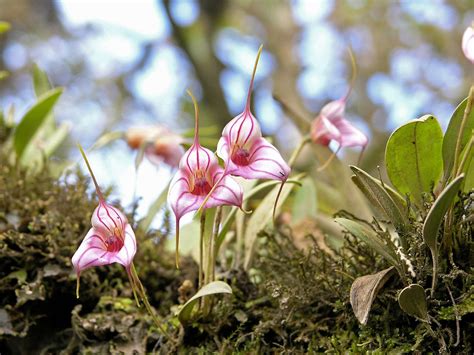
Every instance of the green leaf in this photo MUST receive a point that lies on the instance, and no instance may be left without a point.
(33, 119)
(369, 237)
(451, 136)
(154, 208)
(364, 290)
(304, 201)
(435, 217)
(380, 198)
(106, 139)
(412, 300)
(413, 157)
(247, 195)
(215, 287)
(41, 83)
(4, 27)
(262, 216)
(3, 74)
(56, 139)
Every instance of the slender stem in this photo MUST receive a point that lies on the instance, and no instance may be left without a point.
(142, 293)
(298, 149)
(467, 111)
(201, 247)
(435, 272)
(215, 233)
(466, 156)
(326, 164)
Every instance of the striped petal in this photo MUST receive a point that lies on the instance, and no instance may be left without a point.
(127, 253)
(107, 218)
(265, 162)
(242, 130)
(350, 136)
(323, 131)
(197, 158)
(334, 110)
(183, 201)
(91, 252)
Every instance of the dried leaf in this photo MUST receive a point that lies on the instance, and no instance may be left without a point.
(364, 290)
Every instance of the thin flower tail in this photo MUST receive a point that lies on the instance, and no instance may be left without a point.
(354, 74)
(249, 93)
(97, 188)
(277, 198)
(177, 244)
(78, 284)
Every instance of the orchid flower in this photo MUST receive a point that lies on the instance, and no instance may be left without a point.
(162, 145)
(331, 125)
(468, 43)
(110, 240)
(245, 152)
(199, 173)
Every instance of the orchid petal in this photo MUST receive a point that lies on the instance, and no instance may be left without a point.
(91, 252)
(468, 43)
(197, 158)
(107, 218)
(166, 149)
(350, 136)
(334, 109)
(265, 162)
(183, 201)
(323, 131)
(242, 130)
(127, 252)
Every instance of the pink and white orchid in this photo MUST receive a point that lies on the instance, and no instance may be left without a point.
(161, 144)
(331, 125)
(468, 43)
(110, 240)
(245, 152)
(199, 173)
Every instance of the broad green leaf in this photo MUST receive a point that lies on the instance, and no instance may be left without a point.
(4, 26)
(435, 217)
(154, 208)
(369, 237)
(215, 287)
(413, 157)
(451, 136)
(41, 83)
(33, 119)
(364, 290)
(412, 300)
(3, 74)
(379, 197)
(262, 216)
(304, 201)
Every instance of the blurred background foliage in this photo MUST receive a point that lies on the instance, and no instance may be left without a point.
(126, 63)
